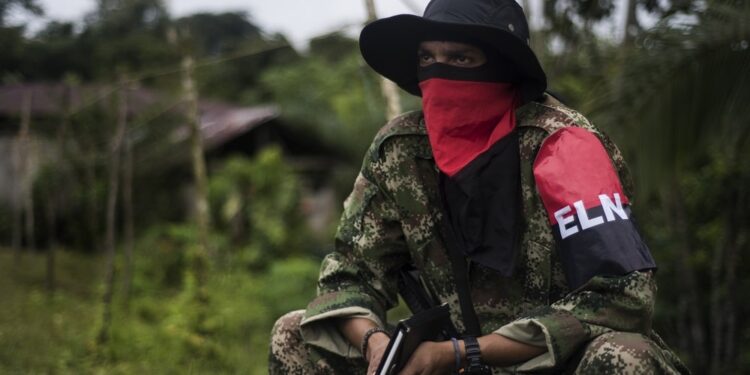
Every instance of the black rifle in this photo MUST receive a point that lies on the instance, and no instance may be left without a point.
(418, 299)
(428, 325)
(430, 321)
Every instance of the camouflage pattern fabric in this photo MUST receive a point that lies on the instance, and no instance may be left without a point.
(289, 355)
(622, 353)
(611, 353)
(392, 217)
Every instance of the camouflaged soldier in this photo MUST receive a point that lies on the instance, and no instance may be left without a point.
(537, 199)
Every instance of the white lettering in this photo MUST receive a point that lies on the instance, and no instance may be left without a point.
(583, 217)
(610, 209)
(563, 222)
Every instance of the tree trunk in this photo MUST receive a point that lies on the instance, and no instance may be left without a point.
(692, 303)
(92, 208)
(127, 206)
(26, 179)
(526, 5)
(631, 26)
(682, 324)
(51, 248)
(17, 226)
(387, 87)
(54, 198)
(372, 14)
(196, 150)
(114, 171)
(724, 341)
(198, 255)
(716, 307)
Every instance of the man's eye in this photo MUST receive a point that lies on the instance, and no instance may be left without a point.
(426, 59)
(463, 60)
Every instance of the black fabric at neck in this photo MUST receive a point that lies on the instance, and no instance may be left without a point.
(483, 204)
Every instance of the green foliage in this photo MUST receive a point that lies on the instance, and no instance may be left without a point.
(685, 83)
(256, 202)
(675, 101)
(132, 35)
(676, 107)
(339, 98)
(330, 46)
(31, 6)
(163, 266)
(698, 233)
(123, 17)
(40, 334)
(577, 74)
(217, 34)
(292, 277)
(233, 35)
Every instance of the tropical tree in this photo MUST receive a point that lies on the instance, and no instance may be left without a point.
(333, 94)
(30, 6)
(679, 105)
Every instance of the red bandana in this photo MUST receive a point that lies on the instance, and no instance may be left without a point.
(465, 118)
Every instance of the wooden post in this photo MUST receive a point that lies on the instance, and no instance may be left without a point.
(202, 209)
(23, 216)
(53, 195)
(89, 154)
(198, 255)
(17, 186)
(387, 87)
(109, 242)
(52, 234)
(28, 178)
(127, 207)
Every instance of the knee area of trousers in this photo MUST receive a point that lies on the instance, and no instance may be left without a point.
(620, 353)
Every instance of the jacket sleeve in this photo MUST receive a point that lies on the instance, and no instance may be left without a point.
(358, 278)
(603, 257)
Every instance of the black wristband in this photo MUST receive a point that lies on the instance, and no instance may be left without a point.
(366, 338)
(457, 353)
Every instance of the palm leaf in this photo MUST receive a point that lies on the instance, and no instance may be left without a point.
(684, 89)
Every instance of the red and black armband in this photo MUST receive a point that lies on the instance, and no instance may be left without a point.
(589, 212)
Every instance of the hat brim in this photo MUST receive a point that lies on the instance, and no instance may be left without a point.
(389, 46)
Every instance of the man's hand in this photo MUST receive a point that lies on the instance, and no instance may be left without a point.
(375, 349)
(431, 358)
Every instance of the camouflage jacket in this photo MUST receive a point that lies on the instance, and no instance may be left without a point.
(392, 217)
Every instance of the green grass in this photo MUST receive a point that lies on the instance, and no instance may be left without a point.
(40, 333)
(155, 333)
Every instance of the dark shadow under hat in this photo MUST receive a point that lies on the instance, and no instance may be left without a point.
(389, 45)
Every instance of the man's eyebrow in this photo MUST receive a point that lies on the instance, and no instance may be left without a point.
(462, 50)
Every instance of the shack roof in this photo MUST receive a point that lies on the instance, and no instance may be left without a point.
(220, 122)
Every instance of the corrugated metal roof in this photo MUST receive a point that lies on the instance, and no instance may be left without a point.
(220, 122)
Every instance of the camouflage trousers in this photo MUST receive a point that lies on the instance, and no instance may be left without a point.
(610, 353)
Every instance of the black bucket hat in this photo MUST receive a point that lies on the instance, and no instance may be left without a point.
(389, 45)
